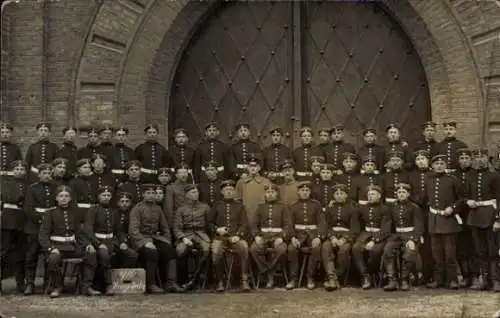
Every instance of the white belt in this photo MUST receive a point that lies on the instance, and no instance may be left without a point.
(450, 170)
(149, 171)
(271, 229)
(405, 229)
(241, 166)
(305, 227)
(304, 174)
(43, 210)
(11, 206)
(491, 202)
(363, 202)
(374, 172)
(117, 171)
(34, 170)
(63, 239)
(372, 229)
(441, 212)
(221, 168)
(84, 205)
(104, 236)
(340, 229)
(6, 173)
(390, 200)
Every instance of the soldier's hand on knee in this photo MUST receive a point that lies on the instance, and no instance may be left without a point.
(90, 249)
(448, 211)
(369, 245)
(410, 245)
(295, 242)
(334, 241)
(234, 239)
(341, 242)
(221, 231)
(55, 251)
(187, 241)
(316, 242)
(102, 246)
(259, 241)
(150, 245)
(123, 246)
(278, 241)
(331, 203)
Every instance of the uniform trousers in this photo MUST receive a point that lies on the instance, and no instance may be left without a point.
(465, 251)
(125, 258)
(267, 261)
(12, 253)
(164, 253)
(220, 246)
(485, 251)
(306, 239)
(200, 241)
(444, 253)
(104, 257)
(392, 249)
(374, 255)
(338, 257)
(32, 250)
(54, 266)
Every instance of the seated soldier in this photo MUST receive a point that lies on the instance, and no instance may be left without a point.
(133, 181)
(61, 236)
(307, 227)
(408, 224)
(191, 227)
(376, 219)
(102, 228)
(126, 257)
(230, 230)
(60, 171)
(288, 187)
(269, 229)
(342, 219)
(151, 238)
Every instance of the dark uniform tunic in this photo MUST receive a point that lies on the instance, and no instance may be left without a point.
(376, 151)
(417, 180)
(84, 194)
(210, 192)
(90, 150)
(349, 179)
(125, 258)
(183, 154)
(301, 157)
(9, 152)
(108, 150)
(274, 155)
(69, 151)
(398, 146)
(390, 180)
(334, 153)
(429, 145)
(449, 147)
(153, 156)
(43, 151)
(102, 179)
(323, 192)
(133, 187)
(241, 151)
(362, 183)
(213, 150)
(118, 160)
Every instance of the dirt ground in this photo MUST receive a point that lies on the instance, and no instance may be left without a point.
(348, 302)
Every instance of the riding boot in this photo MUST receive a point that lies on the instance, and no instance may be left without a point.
(405, 274)
(392, 283)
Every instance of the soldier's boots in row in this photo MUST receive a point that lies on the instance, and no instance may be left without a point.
(270, 280)
(392, 282)
(332, 283)
(479, 283)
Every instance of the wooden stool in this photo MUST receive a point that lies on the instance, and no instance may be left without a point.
(306, 255)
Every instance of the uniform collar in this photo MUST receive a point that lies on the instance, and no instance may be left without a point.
(257, 178)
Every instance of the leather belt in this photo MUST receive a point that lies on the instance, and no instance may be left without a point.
(340, 229)
(305, 227)
(11, 206)
(221, 168)
(390, 200)
(304, 174)
(104, 236)
(6, 173)
(363, 202)
(62, 239)
(441, 212)
(149, 171)
(372, 229)
(84, 205)
(43, 210)
(241, 166)
(34, 170)
(405, 229)
(117, 171)
(271, 230)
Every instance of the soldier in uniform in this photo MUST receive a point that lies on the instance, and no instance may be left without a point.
(393, 135)
(301, 155)
(450, 145)
(69, 150)
(133, 182)
(61, 236)
(349, 174)
(375, 218)
(176, 192)
(9, 151)
(107, 147)
(372, 149)
(12, 193)
(42, 151)
(210, 184)
(151, 237)
(250, 188)
(192, 226)
(395, 174)
(120, 155)
(38, 200)
(307, 229)
(84, 191)
(274, 155)
(164, 177)
(101, 176)
(126, 257)
(335, 151)
(324, 138)
(369, 176)
(443, 193)
(212, 149)
(408, 225)
(180, 152)
(231, 227)
(323, 192)
(93, 145)
(288, 189)
(428, 141)
(242, 149)
(482, 194)
(269, 229)
(152, 155)
(342, 222)
(315, 170)
(60, 171)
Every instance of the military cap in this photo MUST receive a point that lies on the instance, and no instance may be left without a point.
(210, 164)
(305, 129)
(148, 186)
(304, 184)
(324, 129)
(429, 124)
(122, 129)
(395, 154)
(317, 159)
(124, 194)
(464, 152)
(369, 130)
(164, 170)
(369, 158)
(254, 159)
(403, 185)
(44, 166)
(43, 125)
(349, 155)
(105, 128)
(337, 127)
(190, 187)
(373, 187)
(421, 152)
(179, 131)
(181, 165)
(104, 188)
(98, 156)
(340, 187)
(133, 163)
(92, 130)
(438, 158)
(6, 126)
(18, 163)
(480, 152)
(240, 125)
(63, 188)
(151, 126)
(276, 129)
(450, 123)
(58, 161)
(82, 162)
(271, 186)
(211, 124)
(227, 183)
(286, 164)
(327, 166)
(68, 128)
(391, 126)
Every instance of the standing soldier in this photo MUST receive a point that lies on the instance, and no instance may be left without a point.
(9, 151)
(102, 227)
(61, 236)
(323, 192)
(301, 155)
(406, 218)
(342, 221)
(93, 146)
(307, 229)
(368, 177)
(324, 138)
(210, 184)
(84, 191)
(152, 155)
(212, 149)
(42, 151)
(274, 155)
(428, 141)
(12, 222)
(394, 175)
(370, 148)
(349, 174)
(449, 146)
(269, 229)
(101, 176)
(69, 150)
(164, 177)
(231, 227)
(38, 201)
(107, 147)
(335, 151)
(180, 152)
(242, 149)
(126, 257)
(176, 192)
(482, 193)
(443, 193)
(375, 217)
(393, 135)
(120, 155)
(288, 189)
(60, 171)
(133, 182)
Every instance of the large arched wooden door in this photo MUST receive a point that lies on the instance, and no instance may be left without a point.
(289, 64)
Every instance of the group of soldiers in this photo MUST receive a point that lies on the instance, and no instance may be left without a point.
(428, 210)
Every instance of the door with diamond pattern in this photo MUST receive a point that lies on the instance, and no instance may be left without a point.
(292, 64)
